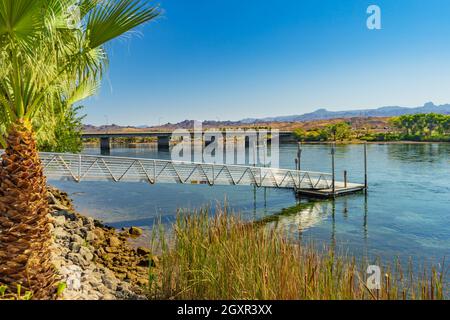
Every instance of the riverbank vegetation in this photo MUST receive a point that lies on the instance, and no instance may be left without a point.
(429, 127)
(420, 127)
(226, 258)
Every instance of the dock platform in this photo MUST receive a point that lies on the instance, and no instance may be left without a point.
(340, 190)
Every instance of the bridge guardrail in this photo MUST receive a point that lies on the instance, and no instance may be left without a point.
(82, 167)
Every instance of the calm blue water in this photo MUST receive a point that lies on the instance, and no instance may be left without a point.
(406, 212)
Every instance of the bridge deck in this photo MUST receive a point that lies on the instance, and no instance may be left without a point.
(81, 167)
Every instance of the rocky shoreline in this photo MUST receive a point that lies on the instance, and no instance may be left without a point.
(93, 261)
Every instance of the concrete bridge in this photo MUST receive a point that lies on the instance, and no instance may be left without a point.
(164, 138)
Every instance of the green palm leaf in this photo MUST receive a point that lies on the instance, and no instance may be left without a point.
(114, 18)
(20, 21)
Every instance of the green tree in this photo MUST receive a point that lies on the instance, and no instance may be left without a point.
(419, 126)
(300, 134)
(43, 58)
(65, 134)
(339, 131)
(311, 135)
(434, 123)
(446, 124)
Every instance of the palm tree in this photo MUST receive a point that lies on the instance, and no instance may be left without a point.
(46, 46)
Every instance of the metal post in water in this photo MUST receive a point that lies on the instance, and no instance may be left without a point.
(345, 178)
(154, 171)
(254, 154)
(265, 152)
(299, 156)
(365, 166)
(333, 151)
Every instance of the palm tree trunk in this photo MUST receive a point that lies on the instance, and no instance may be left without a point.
(25, 230)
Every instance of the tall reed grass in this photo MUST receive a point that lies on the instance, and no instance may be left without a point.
(223, 257)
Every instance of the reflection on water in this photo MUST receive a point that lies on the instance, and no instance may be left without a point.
(418, 152)
(406, 211)
(298, 219)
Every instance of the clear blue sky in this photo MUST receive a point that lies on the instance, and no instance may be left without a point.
(232, 59)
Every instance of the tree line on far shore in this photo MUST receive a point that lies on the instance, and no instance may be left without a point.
(65, 136)
(417, 127)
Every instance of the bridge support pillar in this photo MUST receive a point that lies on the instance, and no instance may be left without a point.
(105, 145)
(163, 142)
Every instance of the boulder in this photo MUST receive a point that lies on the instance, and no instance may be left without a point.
(77, 239)
(143, 251)
(60, 233)
(90, 236)
(86, 254)
(59, 221)
(135, 231)
(99, 234)
(114, 242)
(75, 247)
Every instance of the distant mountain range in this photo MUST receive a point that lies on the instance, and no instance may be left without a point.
(323, 114)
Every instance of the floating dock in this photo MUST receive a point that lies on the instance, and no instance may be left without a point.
(341, 189)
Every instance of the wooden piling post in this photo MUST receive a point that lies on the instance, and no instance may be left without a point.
(365, 166)
(345, 178)
(299, 156)
(265, 152)
(254, 154)
(333, 151)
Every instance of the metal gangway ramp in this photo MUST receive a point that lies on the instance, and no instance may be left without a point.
(83, 167)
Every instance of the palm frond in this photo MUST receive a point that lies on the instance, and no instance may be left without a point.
(84, 90)
(115, 18)
(20, 21)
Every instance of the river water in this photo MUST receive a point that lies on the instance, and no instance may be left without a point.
(406, 212)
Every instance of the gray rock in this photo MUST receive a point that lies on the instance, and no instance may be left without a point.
(143, 251)
(86, 254)
(77, 239)
(73, 281)
(74, 258)
(60, 233)
(59, 263)
(67, 214)
(135, 231)
(109, 297)
(109, 283)
(74, 268)
(59, 221)
(95, 283)
(102, 289)
(114, 242)
(90, 236)
(72, 225)
(75, 247)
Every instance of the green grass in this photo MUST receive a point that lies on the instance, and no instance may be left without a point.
(226, 258)
(5, 294)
